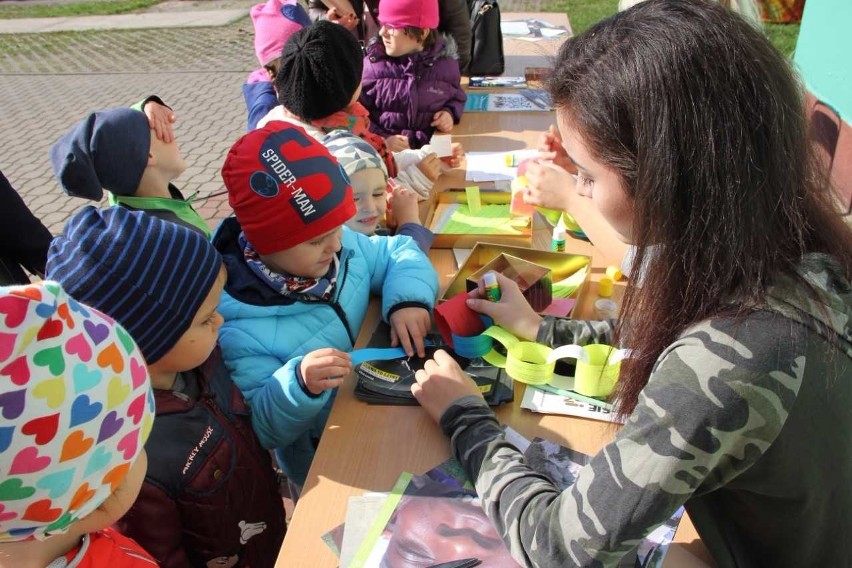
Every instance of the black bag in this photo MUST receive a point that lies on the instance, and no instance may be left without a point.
(486, 50)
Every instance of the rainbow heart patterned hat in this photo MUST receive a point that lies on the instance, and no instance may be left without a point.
(76, 407)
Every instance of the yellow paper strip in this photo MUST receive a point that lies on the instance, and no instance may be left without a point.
(474, 201)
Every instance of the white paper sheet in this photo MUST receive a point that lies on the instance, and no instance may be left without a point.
(441, 144)
(491, 166)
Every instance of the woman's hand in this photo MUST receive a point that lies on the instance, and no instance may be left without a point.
(548, 185)
(513, 313)
(440, 383)
(550, 148)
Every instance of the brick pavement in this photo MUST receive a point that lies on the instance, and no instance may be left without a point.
(47, 86)
(50, 81)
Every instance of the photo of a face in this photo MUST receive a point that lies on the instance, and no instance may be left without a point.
(439, 523)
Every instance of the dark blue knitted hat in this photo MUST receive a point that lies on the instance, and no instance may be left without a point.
(106, 150)
(150, 275)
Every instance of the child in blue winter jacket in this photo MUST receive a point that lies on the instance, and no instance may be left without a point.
(299, 284)
(411, 81)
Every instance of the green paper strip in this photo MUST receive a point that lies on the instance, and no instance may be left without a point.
(503, 337)
(372, 537)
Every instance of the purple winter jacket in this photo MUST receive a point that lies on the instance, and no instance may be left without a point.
(403, 93)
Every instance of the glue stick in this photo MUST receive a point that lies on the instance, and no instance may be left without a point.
(557, 242)
(492, 289)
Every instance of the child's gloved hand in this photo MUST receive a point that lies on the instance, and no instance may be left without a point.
(548, 185)
(430, 165)
(160, 119)
(550, 148)
(397, 143)
(440, 383)
(324, 369)
(443, 121)
(403, 204)
(409, 327)
(513, 313)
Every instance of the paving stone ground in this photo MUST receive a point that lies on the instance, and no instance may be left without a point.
(50, 81)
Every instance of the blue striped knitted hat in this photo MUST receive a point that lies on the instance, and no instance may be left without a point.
(150, 275)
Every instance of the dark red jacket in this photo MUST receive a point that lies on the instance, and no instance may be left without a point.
(210, 492)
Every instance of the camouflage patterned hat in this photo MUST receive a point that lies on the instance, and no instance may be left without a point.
(352, 152)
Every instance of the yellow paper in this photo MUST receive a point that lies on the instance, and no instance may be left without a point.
(474, 202)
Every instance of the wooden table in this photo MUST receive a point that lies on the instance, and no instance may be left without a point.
(364, 448)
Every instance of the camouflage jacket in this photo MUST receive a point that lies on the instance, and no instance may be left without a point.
(745, 422)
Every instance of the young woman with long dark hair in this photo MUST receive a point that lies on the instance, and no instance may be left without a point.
(687, 131)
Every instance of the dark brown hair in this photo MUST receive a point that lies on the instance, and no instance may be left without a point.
(704, 122)
(414, 32)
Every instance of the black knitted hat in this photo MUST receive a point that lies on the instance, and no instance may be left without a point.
(320, 70)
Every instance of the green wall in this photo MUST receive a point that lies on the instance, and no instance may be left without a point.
(823, 53)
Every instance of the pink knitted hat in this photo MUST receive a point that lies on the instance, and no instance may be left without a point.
(274, 22)
(401, 13)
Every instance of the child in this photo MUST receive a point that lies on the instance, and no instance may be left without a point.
(737, 395)
(299, 285)
(210, 496)
(369, 180)
(274, 21)
(76, 409)
(117, 150)
(411, 80)
(318, 87)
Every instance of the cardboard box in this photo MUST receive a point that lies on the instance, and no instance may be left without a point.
(534, 280)
(561, 265)
(440, 204)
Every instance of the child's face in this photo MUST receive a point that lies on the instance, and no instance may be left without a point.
(309, 259)
(198, 341)
(117, 504)
(398, 43)
(369, 187)
(167, 157)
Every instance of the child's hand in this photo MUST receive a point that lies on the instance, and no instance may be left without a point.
(409, 326)
(440, 383)
(455, 160)
(430, 165)
(160, 119)
(513, 313)
(397, 143)
(443, 121)
(550, 148)
(403, 203)
(548, 185)
(346, 19)
(324, 369)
